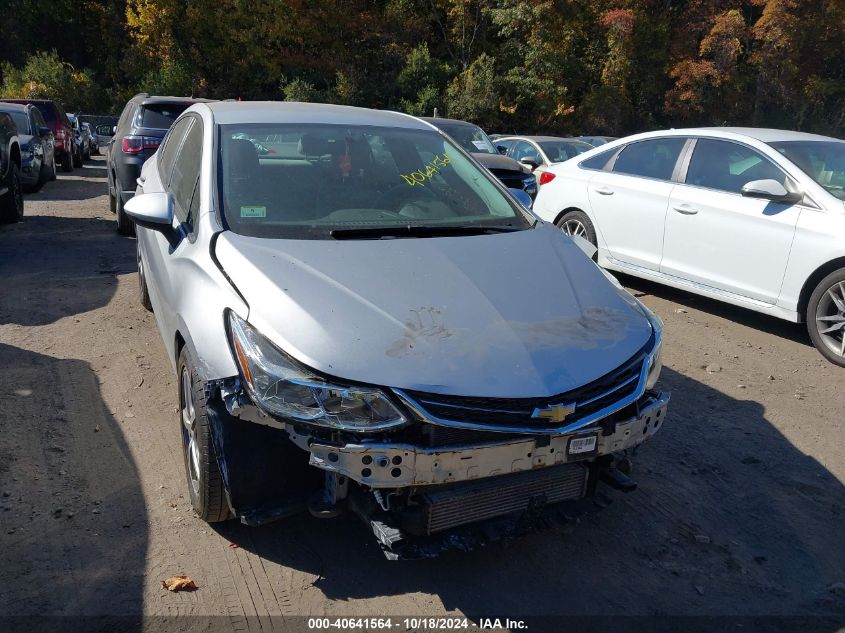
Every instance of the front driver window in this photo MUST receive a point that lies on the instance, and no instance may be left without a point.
(728, 166)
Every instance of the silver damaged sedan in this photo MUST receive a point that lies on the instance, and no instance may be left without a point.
(362, 318)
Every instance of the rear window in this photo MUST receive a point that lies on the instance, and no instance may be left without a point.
(161, 116)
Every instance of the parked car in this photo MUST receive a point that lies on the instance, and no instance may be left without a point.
(38, 159)
(595, 141)
(473, 139)
(93, 145)
(80, 143)
(752, 217)
(541, 152)
(356, 319)
(11, 188)
(137, 135)
(103, 134)
(57, 120)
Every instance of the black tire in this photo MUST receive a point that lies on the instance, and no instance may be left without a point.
(77, 159)
(826, 317)
(144, 293)
(112, 193)
(205, 483)
(125, 225)
(67, 163)
(11, 203)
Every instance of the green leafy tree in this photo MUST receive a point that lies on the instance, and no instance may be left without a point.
(46, 76)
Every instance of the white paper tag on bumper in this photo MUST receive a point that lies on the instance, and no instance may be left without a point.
(582, 444)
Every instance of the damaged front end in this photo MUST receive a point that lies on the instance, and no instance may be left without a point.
(429, 471)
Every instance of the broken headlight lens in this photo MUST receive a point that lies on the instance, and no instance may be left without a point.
(283, 388)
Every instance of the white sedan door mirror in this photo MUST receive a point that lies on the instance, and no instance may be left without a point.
(151, 210)
(769, 190)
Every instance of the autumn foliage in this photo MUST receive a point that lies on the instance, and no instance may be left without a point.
(566, 66)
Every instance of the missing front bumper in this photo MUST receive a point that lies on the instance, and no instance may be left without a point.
(394, 465)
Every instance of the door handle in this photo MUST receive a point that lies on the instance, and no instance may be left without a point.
(605, 191)
(685, 209)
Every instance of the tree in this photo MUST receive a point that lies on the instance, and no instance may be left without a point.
(46, 76)
(474, 94)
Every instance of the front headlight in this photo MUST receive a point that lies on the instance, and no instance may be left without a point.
(281, 387)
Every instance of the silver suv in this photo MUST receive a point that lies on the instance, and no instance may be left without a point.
(353, 309)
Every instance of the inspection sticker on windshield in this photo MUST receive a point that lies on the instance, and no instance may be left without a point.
(253, 212)
(582, 444)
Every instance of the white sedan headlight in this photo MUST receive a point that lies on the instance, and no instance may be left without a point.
(283, 388)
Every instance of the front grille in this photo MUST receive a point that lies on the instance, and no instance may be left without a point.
(469, 502)
(517, 412)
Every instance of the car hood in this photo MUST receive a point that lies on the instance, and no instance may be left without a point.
(522, 314)
(498, 162)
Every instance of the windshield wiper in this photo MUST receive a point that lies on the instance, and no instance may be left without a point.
(412, 230)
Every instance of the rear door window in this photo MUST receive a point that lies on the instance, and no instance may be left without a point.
(652, 158)
(161, 116)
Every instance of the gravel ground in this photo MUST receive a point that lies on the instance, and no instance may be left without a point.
(739, 510)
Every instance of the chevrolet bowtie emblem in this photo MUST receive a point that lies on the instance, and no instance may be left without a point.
(554, 412)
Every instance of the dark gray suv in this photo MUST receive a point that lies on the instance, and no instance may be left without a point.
(137, 135)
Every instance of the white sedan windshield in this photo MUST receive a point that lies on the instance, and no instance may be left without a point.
(823, 161)
(307, 180)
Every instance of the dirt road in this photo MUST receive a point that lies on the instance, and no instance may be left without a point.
(740, 509)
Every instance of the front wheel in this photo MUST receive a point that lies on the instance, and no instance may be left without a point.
(125, 225)
(205, 483)
(11, 203)
(826, 317)
(77, 158)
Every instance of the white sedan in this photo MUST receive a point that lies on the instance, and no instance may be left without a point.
(752, 217)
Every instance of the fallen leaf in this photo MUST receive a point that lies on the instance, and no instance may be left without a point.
(233, 545)
(179, 583)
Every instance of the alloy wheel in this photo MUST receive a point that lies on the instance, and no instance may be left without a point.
(574, 227)
(189, 428)
(830, 318)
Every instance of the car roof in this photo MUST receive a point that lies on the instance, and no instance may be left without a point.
(226, 112)
(435, 121)
(155, 100)
(538, 139)
(763, 135)
(14, 107)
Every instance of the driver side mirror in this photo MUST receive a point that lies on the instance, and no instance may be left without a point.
(532, 161)
(770, 190)
(152, 211)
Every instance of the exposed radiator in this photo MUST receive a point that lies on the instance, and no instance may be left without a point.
(497, 496)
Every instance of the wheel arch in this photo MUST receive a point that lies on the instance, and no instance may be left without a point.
(812, 281)
(569, 210)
